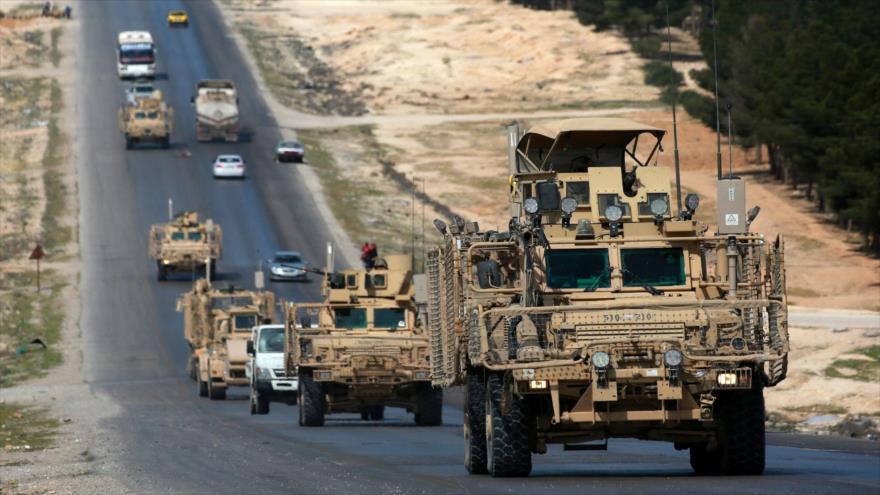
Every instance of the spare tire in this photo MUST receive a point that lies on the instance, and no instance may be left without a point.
(488, 274)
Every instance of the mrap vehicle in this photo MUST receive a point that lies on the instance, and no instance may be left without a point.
(606, 309)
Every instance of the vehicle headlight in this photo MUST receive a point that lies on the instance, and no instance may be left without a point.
(672, 357)
(569, 204)
(276, 270)
(659, 207)
(692, 201)
(263, 373)
(613, 213)
(600, 359)
(531, 206)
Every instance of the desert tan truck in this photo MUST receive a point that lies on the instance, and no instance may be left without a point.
(146, 119)
(363, 348)
(606, 309)
(217, 325)
(216, 108)
(185, 245)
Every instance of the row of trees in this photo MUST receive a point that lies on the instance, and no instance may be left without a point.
(803, 77)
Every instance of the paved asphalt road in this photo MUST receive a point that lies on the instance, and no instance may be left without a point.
(134, 351)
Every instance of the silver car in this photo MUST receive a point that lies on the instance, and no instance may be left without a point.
(289, 151)
(287, 265)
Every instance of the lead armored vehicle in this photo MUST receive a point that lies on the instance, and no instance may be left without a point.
(186, 245)
(217, 325)
(363, 348)
(606, 309)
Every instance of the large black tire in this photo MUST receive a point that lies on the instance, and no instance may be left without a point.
(311, 401)
(166, 142)
(739, 416)
(508, 448)
(475, 424)
(193, 369)
(161, 272)
(377, 413)
(429, 406)
(129, 143)
(203, 389)
(216, 393)
(365, 415)
(212, 272)
(488, 274)
(704, 461)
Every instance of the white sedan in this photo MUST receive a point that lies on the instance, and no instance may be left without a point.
(229, 166)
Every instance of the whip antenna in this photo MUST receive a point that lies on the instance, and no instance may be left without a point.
(674, 120)
(717, 110)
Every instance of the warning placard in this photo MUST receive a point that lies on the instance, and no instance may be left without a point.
(731, 219)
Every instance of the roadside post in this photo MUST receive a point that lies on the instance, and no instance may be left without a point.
(37, 254)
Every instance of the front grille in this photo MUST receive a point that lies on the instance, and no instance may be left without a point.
(279, 373)
(586, 333)
(379, 350)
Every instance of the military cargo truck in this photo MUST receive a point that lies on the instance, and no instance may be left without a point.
(186, 245)
(363, 348)
(146, 119)
(216, 107)
(217, 325)
(606, 310)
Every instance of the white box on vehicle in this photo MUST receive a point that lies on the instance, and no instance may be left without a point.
(265, 369)
(142, 42)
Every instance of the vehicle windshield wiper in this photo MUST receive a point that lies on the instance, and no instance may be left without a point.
(648, 287)
(606, 272)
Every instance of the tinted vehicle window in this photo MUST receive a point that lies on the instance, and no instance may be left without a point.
(177, 236)
(652, 266)
(578, 269)
(194, 236)
(389, 318)
(271, 340)
(579, 191)
(245, 322)
(287, 259)
(350, 318)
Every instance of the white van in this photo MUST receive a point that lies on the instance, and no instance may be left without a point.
(265, 370)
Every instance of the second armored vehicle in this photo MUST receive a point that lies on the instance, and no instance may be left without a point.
(146, 118)
(363, 348)
(217, 326)
(185, 245)
(216, 106)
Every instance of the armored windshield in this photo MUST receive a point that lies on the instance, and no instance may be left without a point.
(652, 266)
(389, 318)
(350, 318)
(194, 236)
(578, 269)
(271, 340)
(245, 322)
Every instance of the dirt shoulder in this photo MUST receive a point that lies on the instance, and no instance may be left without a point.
(50, 442)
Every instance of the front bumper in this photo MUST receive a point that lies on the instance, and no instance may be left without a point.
(301, 275)
(277, 386)
(135, 71)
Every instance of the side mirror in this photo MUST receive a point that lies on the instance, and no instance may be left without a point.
(250, 348)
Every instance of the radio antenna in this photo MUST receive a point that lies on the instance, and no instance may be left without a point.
(717, 110)
(729, 143)
(674, 120)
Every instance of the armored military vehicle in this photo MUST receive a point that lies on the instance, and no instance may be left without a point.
(146, 119)
(185, 245)
(363, 348)
(217, 325)
(216, 107)
(606, 309)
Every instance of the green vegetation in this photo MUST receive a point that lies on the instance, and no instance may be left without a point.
(55, 235)
(24, 316)
(818, 409)
(865, 370)
(55, 54)
(24, 428)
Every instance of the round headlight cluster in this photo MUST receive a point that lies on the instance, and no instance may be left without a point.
(692, 201)
(613, 213)
(659, 207)
(672, 357)
(600, 359)
(531, 206)
(568, 205)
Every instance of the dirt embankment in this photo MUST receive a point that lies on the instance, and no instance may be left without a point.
(410, 60)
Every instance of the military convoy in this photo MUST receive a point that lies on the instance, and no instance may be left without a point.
(606, 310)
(146, 118)
(217, 327)
(216, 108)
(185, 245)
(363, 348)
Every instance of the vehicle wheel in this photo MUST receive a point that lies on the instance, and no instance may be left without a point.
(507, 431)
(161, 272)
(166, 142)
(212, 273)
(704, 461)
(203, 389)
(216, 393)
(739, 415)
(261, 404)
(193, 369)
(377, 413)
(475, 424)
(365, 415)
(129, 143)
(311, 401)
(429, 406)
(488, 274)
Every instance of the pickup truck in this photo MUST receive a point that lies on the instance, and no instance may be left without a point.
(265, 369)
